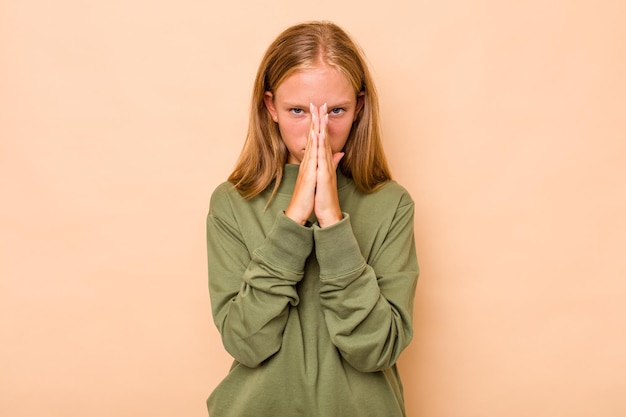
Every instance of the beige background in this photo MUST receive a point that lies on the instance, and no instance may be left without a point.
(505, 120)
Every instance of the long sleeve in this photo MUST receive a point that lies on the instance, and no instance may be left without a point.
(368, 304)
(252, 288)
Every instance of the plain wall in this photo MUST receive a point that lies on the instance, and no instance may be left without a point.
(505, 120)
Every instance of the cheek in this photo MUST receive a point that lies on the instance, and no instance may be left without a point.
(294, 128)
(338, 132)
(339, 129)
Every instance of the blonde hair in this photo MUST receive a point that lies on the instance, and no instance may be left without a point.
(264, 153)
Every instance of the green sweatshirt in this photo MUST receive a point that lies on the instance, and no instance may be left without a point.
(314, 318)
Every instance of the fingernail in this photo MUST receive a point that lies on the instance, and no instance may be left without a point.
(311, 107)
(325, 108)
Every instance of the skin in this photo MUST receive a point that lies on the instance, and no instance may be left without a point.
(315, 109)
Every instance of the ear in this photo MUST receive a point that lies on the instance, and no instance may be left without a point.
(268, 99)
(360, 101)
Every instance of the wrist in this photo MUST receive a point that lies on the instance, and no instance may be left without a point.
(301, 220)
(330, 220)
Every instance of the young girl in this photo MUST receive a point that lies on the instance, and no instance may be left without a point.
(312, 265)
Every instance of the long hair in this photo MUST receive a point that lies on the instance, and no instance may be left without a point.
(298, 48)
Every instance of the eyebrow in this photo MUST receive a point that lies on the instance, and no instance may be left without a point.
(340, 104)
(291, 104)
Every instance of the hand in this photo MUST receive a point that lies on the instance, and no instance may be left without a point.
(327, 209)
(316, 185)
(303, 198)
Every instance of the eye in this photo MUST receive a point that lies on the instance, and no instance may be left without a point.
(296, 110)
(337, 110)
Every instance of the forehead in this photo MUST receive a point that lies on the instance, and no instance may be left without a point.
(322, 83)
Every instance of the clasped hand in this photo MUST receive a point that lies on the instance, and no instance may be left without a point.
(316, 185)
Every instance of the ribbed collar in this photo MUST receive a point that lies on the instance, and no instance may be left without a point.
(290, 174)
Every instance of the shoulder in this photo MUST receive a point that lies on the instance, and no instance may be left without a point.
(226, 202)
(392, 191)
(223, 190)
(223, 198)
(386, 202)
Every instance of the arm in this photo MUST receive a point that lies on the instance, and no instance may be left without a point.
(368, 308)
(251, 292)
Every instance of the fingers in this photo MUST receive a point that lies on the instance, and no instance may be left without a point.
(327, 208)
(323, 119)
(310, 151)
(326, 159)
(303, 198)
(323, 129)
(324, 164)
(315, 118)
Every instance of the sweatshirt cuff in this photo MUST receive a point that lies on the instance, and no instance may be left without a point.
(337, 250)
(287, 245)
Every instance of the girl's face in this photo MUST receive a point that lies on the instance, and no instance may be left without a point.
(289, 107)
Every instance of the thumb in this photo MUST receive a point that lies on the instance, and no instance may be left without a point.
(337, 157)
